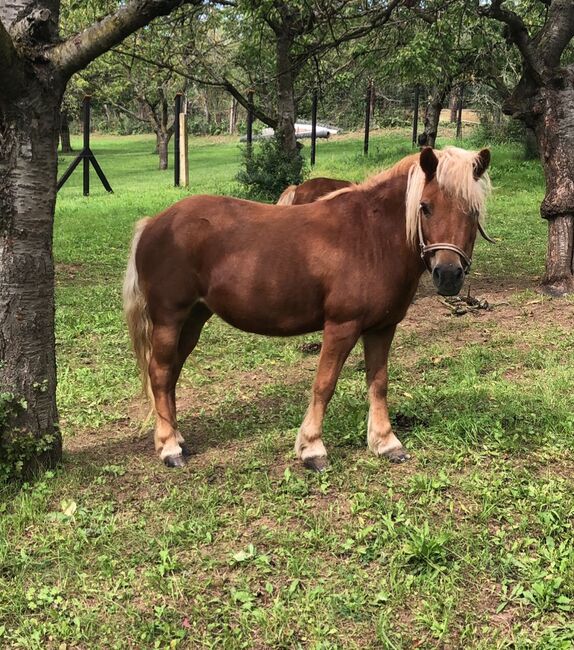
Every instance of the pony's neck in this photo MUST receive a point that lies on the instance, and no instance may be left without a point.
(387, 198)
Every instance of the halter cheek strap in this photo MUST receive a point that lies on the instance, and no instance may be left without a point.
(425, 249)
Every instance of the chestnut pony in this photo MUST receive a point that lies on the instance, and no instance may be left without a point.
(310, 190)
(348, 264)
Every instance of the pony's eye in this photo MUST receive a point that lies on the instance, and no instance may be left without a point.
(426, 209)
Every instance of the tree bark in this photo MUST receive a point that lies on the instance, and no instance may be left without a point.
(163, 139)
(66, 145)
(285, 93)
(432, 115)
(554, 128)
(559, 276)
(546, 105)
(28, 166)
(544, 100)
(34, 69)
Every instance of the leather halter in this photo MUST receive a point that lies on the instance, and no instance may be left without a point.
(429, 248)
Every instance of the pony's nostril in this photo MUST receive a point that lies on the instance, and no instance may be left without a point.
(447, 273)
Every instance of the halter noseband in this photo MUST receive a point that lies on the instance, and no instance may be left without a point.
(429, 248)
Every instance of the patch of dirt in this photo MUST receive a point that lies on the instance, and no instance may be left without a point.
(428, 315)
(68, 271)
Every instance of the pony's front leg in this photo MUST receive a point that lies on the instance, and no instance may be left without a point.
(381, 439)
(338, 341)
(163, 373)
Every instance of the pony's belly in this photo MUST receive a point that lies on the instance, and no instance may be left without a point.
(268, 317)
(270, 324)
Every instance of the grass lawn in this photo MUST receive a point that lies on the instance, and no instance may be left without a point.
(469, 545)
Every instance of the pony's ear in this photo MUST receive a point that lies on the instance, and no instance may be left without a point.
(429, 163)
(481, 163)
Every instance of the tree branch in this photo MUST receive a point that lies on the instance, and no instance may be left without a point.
(557, 32)
(379, 19)
(123, 109)
(241, 99)
(79, 50)
(12, 75)
(517, 33)
(220, 83)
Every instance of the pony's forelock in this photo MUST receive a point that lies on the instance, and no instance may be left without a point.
(455, 177)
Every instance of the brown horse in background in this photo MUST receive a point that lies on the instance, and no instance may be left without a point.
(310, 190)
(348, 264)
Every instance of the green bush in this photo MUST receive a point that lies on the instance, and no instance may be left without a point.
(506, 131)
(267, 169)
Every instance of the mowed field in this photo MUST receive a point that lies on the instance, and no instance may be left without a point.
(468, 545)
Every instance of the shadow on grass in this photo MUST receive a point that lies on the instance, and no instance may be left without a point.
(446, 412)
(232, 420)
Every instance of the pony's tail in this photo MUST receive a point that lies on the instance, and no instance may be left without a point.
(288, 196)
(137, 316)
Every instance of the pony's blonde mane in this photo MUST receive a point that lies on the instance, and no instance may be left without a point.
(455, 177)
(400, 167)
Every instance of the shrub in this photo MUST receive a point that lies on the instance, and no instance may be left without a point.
(505, 131)
(267, 169)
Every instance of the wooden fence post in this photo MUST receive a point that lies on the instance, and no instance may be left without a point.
(416, 115)
(459, 114)
(367, 118)
(250, 94)
(183, 148)
(314, 127)
(176, 140)
(86, 155)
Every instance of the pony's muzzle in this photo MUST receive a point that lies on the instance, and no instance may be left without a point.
(448, 278)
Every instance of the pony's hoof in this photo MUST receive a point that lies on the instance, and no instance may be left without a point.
(316, 463)
(174, 461)
(397, 455)
(185, 450)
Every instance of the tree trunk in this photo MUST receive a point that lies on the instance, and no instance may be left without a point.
(453, 106)
(233, 116)
(163, 149)
(286, 95)
(65, 132)
(432, 115)
(35, 65)
(544, 100)
(206, 111)
(109, 117)
(559, 279)
(28, 166)
(554, 128)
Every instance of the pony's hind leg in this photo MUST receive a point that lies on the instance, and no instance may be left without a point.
(338, 341)
(164, 371)
(173, 339)
(188, 339)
